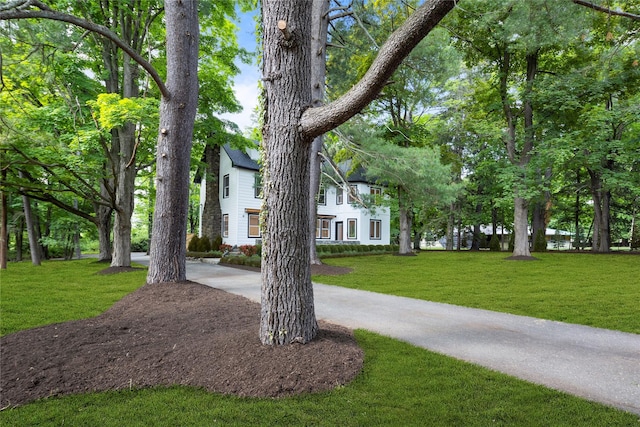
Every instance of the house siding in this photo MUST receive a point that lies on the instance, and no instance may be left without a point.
(241, 198)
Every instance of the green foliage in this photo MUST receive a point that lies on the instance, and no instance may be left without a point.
(634, 241)
(540, 242)
(194, 243)
(494, 243)
(215, 244)
(204, 245)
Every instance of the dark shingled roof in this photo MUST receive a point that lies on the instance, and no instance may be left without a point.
(240, 159)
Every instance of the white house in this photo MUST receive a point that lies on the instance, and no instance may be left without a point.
(340, 218)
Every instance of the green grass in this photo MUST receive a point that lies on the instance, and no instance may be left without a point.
(400, 385)
(59, 291)
(594, 290)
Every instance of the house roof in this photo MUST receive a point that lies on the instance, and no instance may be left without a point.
(240, 159)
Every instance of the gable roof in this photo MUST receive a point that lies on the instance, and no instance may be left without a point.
(240, 159)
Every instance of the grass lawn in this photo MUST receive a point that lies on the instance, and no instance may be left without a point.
(594, 290)
(58, 291)
(400, 384)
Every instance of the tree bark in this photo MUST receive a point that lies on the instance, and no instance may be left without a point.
(34, 248)
(4, 235)
(319, 30)
(177, 115)
(405, 213)
(520, 228)
(287, 313)
(601, 214)
(211, 211)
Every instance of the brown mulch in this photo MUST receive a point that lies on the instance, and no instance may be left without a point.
(316, 269)
(166, 334)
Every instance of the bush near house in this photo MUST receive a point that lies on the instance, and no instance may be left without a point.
(251, 255)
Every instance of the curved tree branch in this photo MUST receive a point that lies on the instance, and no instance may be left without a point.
(316, 121)
(607, 10)
(45, 12)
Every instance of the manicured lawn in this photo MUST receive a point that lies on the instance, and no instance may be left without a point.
(400, 384)
(594, 290)
(58, 291)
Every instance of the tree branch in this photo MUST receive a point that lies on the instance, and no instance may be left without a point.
(46, 13)
(316, 121)
(607, 10)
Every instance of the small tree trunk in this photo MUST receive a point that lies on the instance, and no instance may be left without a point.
(4, 240)
(319, 28)
(177, 115)
(405, 218)
(31, 232)
(103, 222)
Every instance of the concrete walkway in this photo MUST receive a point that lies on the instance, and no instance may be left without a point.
(596, 364)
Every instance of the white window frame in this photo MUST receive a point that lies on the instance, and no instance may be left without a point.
(225, 225)
(352, 225)
(323, 228)
(257, 186)
(339, 195)
(375, 229)
(225, 186)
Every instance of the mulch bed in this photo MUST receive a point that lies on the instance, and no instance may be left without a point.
(167, 334)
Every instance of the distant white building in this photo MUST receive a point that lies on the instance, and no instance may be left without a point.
(340, 218)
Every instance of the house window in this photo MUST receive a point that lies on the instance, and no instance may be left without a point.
(339, 195)
(375, 227)
(376, 193)
(352, 228)
(225, 186)
(322, 196)
(254, 224)
(323, 230)
(354, 191)
(257, 186)
(225, 225)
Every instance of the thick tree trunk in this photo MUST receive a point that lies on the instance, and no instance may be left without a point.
(405, 214)
(103, 223)
(319, 29)
(601, 214)
(450, 229)
(177, 115)
(287, 313)
(520, 228)
(211, 211)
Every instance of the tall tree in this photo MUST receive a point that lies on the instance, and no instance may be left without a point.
(287, 313)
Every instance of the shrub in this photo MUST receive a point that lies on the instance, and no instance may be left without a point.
(215, 244)
(540, 242)
(140, 244)
(248, 250)
(635, 237)
(512, 242)
(224, 247)
(193, 244)
(494, 243)
(204, 244)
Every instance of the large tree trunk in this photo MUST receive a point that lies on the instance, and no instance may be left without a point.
(287, 313)
(520, 228)
(319, 28)
(211, 211)
(601, 214)
(177, 115)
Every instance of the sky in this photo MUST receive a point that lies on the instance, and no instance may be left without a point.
(246, 83)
